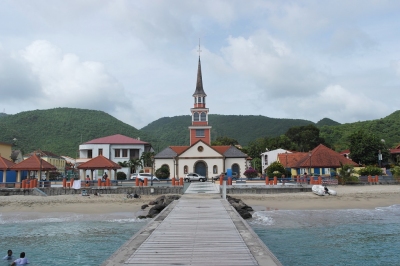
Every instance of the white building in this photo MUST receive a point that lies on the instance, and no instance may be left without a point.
(117, 148)
(200, 157)
(268, 157)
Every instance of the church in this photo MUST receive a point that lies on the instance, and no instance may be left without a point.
(200, 157)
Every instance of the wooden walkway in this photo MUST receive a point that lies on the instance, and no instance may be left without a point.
(198, 229)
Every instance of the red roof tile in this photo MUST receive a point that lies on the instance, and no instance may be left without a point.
(99, 162)
(323, 157)
(116, 139)
(179, 149)
(221, 149)
(394, 151)
(34, 163)
(293, 159)
(5, 164)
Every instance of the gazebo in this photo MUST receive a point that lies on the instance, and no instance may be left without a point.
(98, 163)
(5, 165)
(33, 163)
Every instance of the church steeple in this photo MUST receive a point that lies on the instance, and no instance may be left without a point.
(199, 84)
(199, 130)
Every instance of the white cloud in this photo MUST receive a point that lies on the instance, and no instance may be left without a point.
(65, 80)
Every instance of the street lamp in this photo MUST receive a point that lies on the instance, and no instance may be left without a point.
(309, 154)
(380, 158)
(174, 166)
(152, 165)
(40, 169)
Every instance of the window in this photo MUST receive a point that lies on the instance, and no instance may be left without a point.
(199, 133)
(117, 153)
(200, 148)
(196, 116)
(89, 154)
(215, 169)
(203, 116)
(124, 153)
(100, 151)
(185, 169)
(199, 100)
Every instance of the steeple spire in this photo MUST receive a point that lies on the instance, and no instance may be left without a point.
(199, 84)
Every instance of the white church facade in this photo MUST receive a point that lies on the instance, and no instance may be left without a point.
(200, 157)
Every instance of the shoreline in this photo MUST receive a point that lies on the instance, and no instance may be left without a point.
(349, 197)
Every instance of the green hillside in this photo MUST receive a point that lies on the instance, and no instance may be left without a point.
(61, 130)
(244, 128)
(387, 128)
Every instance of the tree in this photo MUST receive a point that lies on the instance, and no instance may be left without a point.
(222, 141)
(146, 158)
(365, 147)
(162, 172)
(345, 172)
(305, 138)
(134, 163)
(275, 169)
(370, 170)
(121, 176)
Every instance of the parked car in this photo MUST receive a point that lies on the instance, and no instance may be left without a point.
(234, 176)
(194, 177)
(148, 176)
(133, 176)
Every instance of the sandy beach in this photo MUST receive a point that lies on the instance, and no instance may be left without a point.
(349, 197)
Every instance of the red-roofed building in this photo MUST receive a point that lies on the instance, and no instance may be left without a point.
(200, 157)
(5, 165)
(117, 148)
(320, 161)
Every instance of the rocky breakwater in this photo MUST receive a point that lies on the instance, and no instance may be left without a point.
(159, 204)
(242, 208)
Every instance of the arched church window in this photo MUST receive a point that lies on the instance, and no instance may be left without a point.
(196, 116)
(199, 100)
(215, 169)
(203, 116)
(185, 169)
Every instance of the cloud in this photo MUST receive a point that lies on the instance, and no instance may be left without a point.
(337, 103)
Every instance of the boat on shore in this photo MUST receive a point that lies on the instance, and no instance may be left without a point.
(323, 190)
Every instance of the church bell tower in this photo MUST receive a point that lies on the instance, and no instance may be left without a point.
(199, 130)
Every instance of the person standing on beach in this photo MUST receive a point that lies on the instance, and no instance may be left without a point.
(9, 255)
(21, 261)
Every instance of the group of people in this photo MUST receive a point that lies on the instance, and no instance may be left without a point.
(20, 261)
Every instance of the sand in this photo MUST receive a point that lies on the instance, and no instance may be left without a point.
(349, 197)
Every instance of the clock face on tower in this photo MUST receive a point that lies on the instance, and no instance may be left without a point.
(200, 148)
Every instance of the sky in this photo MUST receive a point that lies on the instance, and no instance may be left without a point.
(137, 60)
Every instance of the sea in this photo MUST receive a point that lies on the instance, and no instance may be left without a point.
(296, 237)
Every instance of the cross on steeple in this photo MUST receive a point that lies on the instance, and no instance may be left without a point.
(199, 48)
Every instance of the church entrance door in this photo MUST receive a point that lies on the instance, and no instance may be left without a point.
(201, 168)
(235, 168)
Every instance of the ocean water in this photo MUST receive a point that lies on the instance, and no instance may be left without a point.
(301, 237)
(331, 237)
(65, 238)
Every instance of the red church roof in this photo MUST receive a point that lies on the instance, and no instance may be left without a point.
(5, 164)
(221, 149)
(34, 163)
(99, 162)
(116, 139)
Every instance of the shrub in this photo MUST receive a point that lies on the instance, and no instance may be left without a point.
(250, 173)
(370, 170)
(275, 169)
(162, 172)
(121, 176)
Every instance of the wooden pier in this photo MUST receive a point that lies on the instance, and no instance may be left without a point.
(198, 229)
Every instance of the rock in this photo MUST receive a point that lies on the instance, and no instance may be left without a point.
(142, 217)
(245, 214)
(159, 204)
(144, 206)
(156, 209)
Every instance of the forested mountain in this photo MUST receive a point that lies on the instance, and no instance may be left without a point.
(61, 130)
(387, 128)
(3, 114)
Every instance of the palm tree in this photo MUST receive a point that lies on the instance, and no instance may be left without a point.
(134, 164)
(123, 164)
(146, 158)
